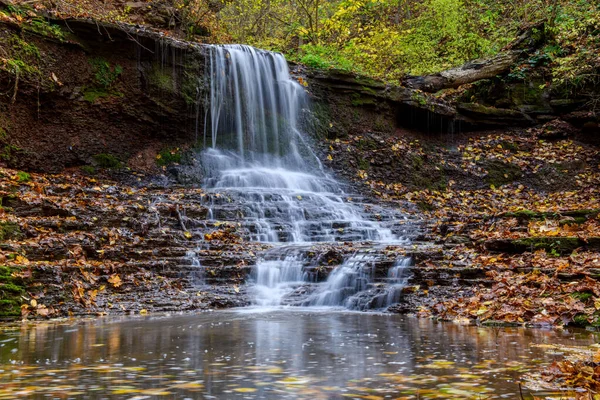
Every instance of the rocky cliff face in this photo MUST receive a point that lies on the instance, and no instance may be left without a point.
(81, 92)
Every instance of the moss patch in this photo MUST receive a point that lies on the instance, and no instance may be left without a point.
(582, 296)
(583, 320)
(105, 76)
(9, 152)
(11, 290)
(107, 161)
(88, 169)
(562, 245)
(360, 100)
(10, 231)
(162, 80)
(91, 94)
(579, 216)
(23, 176)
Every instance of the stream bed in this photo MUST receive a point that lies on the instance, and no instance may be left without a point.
(272, 353)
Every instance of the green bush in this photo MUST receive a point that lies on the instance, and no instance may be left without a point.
(104, 73)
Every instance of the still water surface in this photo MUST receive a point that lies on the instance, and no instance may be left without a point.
(271, 354)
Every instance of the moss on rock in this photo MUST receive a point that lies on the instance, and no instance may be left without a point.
(12, 288)
(107, 161)
(10, 230)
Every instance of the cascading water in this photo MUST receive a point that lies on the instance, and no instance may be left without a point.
(266, 174)
(197, 275)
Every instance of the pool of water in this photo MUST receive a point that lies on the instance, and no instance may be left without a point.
(271, 354)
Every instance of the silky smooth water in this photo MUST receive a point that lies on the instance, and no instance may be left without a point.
(272, 354)
(264, 176)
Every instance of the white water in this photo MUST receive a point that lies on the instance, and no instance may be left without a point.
(398, 277)
(197, 276)
(352, 277)
(273, 182)
(277, 278)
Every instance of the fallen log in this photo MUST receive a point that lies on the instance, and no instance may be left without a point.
(467, 73)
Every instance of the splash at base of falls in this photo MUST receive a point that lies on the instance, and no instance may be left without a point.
(353, 284)
(276, 279)
(292, 275)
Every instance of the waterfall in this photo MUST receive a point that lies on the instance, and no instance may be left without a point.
(254, 113)
(352, 277)
(197, 277)
(272, 182)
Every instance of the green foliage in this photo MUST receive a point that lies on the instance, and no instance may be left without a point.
(43, 27)
(553, 253)
(323, 57)
(13, 9)
(26, 49)
(576, 45)
(107, 161)
(22, 60)
(23, 176)
(388, 39)
(104, 73)
(169, 156)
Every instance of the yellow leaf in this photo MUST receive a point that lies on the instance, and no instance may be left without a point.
(115, 280)
(245, 390)
(187, 235)
(33, 303)
(22, 260)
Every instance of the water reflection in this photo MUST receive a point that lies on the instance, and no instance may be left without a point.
(278, 354)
